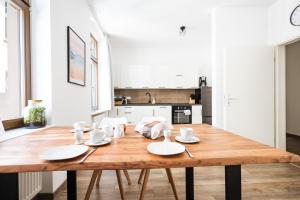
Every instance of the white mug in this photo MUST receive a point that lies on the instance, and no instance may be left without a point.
(108, 130)
(186, 133)
(119, 131)
(79, 126)
(97, 135)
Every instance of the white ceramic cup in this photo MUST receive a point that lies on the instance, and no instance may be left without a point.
(186, 133)
(108, 130)
(97, 135)
(79, 126)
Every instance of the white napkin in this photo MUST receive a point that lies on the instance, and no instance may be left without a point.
(153, 127)
(187, 112)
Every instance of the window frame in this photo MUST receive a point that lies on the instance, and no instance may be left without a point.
(94, 60)
(25, 7)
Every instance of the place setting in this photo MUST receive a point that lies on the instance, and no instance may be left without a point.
(97, 137)
(155, 128)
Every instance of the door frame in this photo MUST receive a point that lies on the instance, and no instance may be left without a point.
(280, 94)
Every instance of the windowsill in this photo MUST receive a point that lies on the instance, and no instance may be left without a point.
(14, 133)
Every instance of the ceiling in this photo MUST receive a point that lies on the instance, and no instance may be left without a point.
(156, 22)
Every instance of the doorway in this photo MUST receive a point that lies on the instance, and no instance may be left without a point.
(292, 55)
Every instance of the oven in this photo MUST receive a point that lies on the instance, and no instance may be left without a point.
(181, 114)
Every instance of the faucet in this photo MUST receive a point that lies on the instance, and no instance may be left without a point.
(149, 96)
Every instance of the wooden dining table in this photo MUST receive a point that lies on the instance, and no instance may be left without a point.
(216, 148)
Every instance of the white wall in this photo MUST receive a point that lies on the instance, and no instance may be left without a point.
(164, 56)
(233, 26)
(280, 29)
(70, 102)
(65, 102)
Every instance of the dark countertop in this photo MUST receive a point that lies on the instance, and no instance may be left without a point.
(158, 104)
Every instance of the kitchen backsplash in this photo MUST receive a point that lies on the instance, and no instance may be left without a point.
(161, 95)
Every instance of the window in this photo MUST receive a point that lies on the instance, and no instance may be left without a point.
(94, 72)
(14, 61)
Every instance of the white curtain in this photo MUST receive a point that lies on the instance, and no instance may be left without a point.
(105, 86)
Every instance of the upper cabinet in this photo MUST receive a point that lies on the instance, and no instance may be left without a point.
(158, 77)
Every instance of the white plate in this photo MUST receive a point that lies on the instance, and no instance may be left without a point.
(165, 148)
(85, 130)
(193, 140)
(103, 142)
(63, 152)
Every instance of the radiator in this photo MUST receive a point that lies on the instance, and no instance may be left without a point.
(30, 184)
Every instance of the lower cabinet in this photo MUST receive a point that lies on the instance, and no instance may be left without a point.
(197, 114)
(135, 114)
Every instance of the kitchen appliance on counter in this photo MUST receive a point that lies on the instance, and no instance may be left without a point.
(181, 114)
(203, 96)
(202, 81)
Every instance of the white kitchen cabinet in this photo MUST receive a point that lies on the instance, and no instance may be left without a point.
(146, 76)
(113, 112)
(163, 111)
(197, 114)
(135, 114)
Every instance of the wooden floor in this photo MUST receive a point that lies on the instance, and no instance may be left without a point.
(260, 182)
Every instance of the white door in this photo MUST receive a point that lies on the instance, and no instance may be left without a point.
(249, 93)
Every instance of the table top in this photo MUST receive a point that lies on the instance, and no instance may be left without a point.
(217, 147)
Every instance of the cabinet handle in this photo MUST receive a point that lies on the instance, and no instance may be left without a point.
(179, 75)
(127, 112)
(127, 107)
(117, 112)
(153, 113)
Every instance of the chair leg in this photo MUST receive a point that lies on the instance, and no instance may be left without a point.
(141, 176)
(147, 171)
(91, 185)
(171, 180)
(98, 178)
(127, 176)
(120, 183)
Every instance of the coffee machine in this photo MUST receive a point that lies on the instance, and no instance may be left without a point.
(202, 81)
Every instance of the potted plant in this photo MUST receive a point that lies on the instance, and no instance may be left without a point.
(34, 114)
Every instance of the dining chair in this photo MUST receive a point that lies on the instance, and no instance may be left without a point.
(145, 174)
(96, 176)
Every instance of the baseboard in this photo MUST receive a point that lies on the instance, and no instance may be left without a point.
(50, 196)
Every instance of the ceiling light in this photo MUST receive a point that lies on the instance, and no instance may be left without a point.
(182, 31)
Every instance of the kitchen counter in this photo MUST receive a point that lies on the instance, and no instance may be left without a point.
(158, 104)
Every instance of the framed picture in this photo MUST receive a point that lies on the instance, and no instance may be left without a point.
(76, 58)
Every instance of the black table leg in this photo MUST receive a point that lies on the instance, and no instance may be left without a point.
(71, 185)
(233, 184)
(189, 183)
(9, 186)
